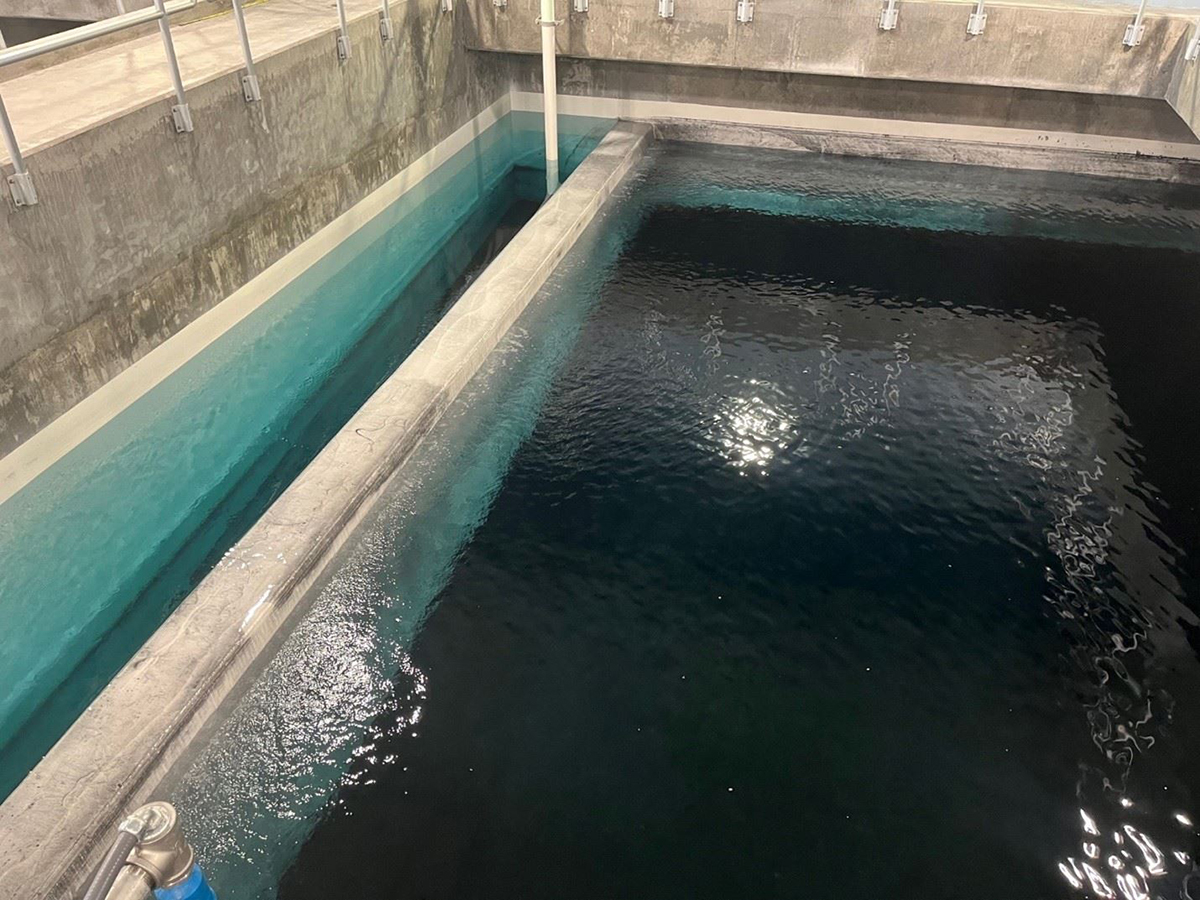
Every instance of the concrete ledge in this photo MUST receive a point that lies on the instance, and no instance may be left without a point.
(53, 827)
(972, 153)
(1010, 148)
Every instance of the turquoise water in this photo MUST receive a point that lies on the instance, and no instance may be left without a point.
(102, 546)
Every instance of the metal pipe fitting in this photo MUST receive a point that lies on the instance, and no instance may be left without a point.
(149, 854)
(162, 851)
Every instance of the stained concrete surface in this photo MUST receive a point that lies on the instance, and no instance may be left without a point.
(139, 229)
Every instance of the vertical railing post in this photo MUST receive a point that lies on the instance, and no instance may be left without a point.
(977, 21)
(343, 41)
(550, 95)
(250, 80)
(180, 111)
(385, 21)
(1135, 31)
(19, 182)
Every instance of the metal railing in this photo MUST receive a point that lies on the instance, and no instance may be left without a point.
(20, 182)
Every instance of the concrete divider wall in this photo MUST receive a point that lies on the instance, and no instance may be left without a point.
(1058, 69)
(139, 229)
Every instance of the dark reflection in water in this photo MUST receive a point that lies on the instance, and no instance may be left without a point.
(844, 561)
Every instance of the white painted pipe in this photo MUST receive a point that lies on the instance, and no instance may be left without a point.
(550, 96)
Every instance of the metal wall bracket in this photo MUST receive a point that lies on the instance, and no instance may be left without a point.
(889, 16)
(581, 6)
(250, 88)
(23, 191)
(1135, 31)
(977, 21)
(1193, 47)
(666, 9)
(745, 11)
(385, 26)
(182, 114)
(250, 80)
(343, 39)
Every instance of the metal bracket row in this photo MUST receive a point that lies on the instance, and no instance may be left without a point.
(889, 18)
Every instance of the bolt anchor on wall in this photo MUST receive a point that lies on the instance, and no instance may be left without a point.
(977, 21)
(1135, 31)
(889, 17)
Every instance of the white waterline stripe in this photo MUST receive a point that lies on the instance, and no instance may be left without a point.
(615, 107)
(25, 462)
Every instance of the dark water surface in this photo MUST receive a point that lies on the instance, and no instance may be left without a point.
(846, 559)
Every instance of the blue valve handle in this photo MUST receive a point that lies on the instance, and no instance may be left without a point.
(194, 887)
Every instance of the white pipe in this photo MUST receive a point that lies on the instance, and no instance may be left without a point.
(550, 96)
(10, 140)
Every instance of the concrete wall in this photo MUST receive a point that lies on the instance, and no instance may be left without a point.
(72, 10)
(1023, 46)
(1054, 69)
(139, 230)
(18, 31)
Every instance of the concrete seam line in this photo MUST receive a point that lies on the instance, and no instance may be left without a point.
(195, 659)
